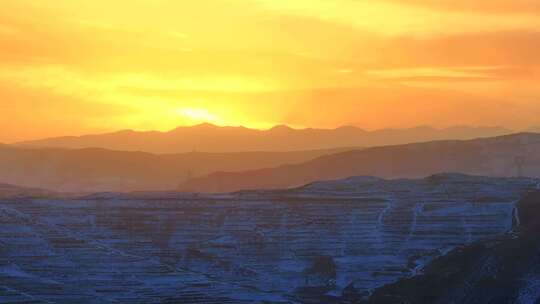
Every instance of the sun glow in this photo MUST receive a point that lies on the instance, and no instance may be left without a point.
(200, 115)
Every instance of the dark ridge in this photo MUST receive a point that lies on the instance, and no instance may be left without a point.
(102, 170)
(496, 156)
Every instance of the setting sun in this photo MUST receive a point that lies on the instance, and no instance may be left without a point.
(199, 115)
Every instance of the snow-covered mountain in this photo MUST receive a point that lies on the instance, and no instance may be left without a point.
(321, 243)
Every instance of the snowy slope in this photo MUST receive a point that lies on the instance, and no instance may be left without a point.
(503, 270)
(284, 246)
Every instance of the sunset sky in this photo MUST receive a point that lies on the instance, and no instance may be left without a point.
(70, 67)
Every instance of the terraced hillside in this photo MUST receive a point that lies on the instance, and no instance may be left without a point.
(321, 243)
(503, 270)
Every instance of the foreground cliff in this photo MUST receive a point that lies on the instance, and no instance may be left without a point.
(327, 242)
(504, 270)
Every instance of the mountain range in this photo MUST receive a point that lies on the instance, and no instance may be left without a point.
(211, 138)
(72, 169)
(509, 155)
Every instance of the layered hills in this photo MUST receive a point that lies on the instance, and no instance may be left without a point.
(509, 155)
(97, 170)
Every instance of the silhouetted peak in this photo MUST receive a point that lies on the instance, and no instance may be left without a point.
(205, 125)
(126, 131)
(350, 128)
(202, 126)
(281, 128)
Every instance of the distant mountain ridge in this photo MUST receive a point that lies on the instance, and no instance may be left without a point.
(211, 138)
(510, 155)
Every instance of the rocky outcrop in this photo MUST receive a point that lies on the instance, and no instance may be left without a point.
(503, 270)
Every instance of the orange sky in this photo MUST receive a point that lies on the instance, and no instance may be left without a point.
(86, 66)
